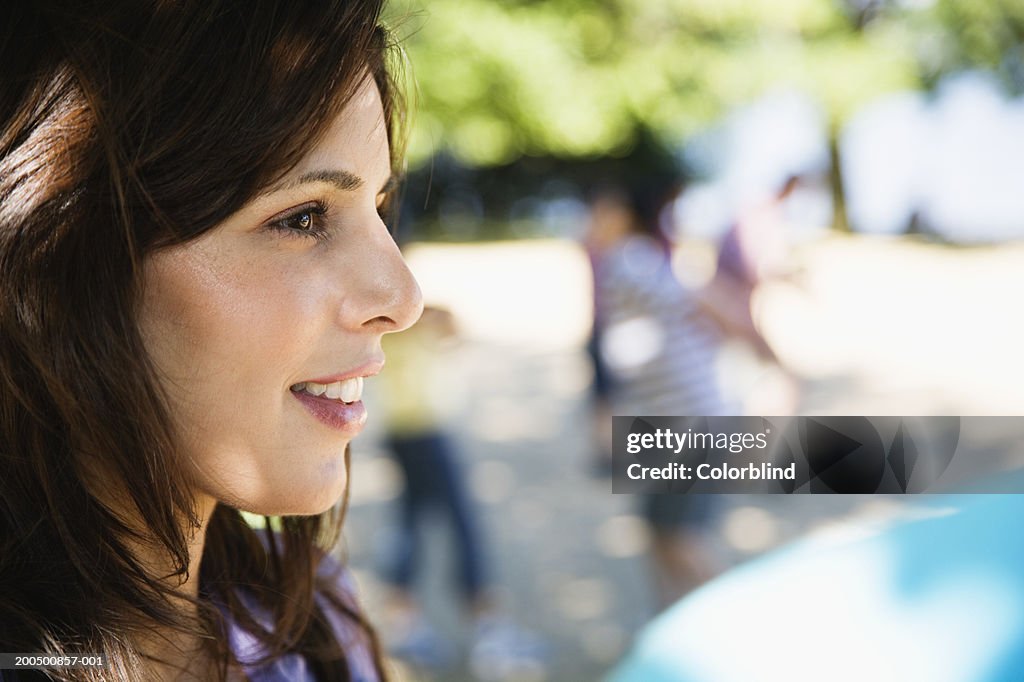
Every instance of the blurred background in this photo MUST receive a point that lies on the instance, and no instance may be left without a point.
(591, 184)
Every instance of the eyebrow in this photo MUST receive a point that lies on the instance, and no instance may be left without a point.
(342, 179)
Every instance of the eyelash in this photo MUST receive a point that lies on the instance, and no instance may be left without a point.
(316, 211)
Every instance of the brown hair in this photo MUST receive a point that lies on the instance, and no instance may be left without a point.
(126, 126)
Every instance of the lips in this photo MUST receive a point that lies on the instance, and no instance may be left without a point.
(348, 418)
(335, 400)
(367, 369)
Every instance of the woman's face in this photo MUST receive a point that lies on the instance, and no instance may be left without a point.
(297, 287)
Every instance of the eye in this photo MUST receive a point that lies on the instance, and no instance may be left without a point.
(307, 221)
(301, 221)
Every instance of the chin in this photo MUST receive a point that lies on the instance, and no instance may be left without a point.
(311, 501)
(320, 495)
(304, 487)
(311, 508)
(295, 507)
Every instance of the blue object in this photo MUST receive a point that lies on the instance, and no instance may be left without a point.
(937, 596)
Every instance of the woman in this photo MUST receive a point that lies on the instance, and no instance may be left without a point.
(195, 281)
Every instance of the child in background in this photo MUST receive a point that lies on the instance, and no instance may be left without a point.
(660, 348)
(419, 398)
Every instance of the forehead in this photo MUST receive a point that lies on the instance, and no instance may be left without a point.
(356, 140)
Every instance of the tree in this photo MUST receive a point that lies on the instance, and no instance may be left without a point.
(578, 79)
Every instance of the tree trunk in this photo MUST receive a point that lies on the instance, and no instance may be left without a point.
(839, 219)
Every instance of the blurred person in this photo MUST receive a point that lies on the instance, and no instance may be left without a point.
(657, 343)
(195, 279)
(435, 489)
(660, 348)
(753, 252)
(936, 595)
(601, 212)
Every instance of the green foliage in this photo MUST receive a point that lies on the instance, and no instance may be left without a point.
(980, 33)
(578, 78)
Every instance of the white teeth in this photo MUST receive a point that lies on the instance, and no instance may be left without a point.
(348, 391)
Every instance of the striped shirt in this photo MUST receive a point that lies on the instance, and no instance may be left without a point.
(657, 343)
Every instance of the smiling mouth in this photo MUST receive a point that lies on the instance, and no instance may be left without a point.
(336, 405)
(348, 391)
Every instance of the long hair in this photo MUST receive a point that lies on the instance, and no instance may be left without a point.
(127, 126)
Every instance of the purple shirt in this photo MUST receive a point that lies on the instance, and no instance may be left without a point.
(293, 667)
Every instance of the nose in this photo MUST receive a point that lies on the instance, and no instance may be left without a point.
(383, 295)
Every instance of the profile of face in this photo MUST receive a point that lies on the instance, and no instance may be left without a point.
(262, 329)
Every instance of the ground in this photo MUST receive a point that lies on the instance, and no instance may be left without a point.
(870, 326)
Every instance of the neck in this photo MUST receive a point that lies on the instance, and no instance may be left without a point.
(175, 655)
(196, 544)
(172, 655)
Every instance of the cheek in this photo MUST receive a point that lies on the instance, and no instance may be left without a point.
(220, 320)
(228, 336)
(229, 332)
